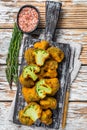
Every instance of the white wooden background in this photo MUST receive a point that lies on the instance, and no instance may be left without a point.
(72, 28)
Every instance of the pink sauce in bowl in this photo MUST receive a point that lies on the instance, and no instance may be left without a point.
(28, 18)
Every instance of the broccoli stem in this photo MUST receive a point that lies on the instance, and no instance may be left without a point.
(31, 112)
(40, 59)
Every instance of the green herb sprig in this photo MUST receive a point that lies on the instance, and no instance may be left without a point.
(12, 57)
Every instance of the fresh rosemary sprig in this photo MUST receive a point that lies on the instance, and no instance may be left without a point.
(12, 57)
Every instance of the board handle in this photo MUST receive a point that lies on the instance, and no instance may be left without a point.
(52, 15)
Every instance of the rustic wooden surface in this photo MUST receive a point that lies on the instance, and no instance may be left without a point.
(72, 28)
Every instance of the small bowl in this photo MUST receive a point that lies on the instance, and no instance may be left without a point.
(32, 7)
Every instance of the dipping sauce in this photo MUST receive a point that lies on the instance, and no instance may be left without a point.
(28, 19)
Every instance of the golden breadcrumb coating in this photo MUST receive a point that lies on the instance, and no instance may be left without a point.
(54, 84)
(25, 120)
(49, 70)
(30, 94)
(46, 117)
(42, 44)
(56, 53)
(29, 57)
(48, 102)
(26, 82)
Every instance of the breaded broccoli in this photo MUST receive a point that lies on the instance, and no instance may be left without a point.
(48, 102)
(29, 57)
(46, 117)
(26, 82)
(49, 70)
(50, 74)
(40, 56)
(54, 84)
(47, 73)
(51, 64)
(56, 53)
(30, 72)
(25, 120)
(42, 44)
(30, 94)
(32, 112)
(42, 88)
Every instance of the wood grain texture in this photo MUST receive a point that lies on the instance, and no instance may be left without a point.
(5, 92)
(77, 117)
(73, 13)
(78, 89)
(71, 36)
(73, 24)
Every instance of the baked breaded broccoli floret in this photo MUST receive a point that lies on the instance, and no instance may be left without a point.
(25, 120)
(29, 57)
(42, 44)
(26, 82)
(54, 84)
(48, 102)
(40, 56)
(46, 117)
(30, 72)
(42, 88)
(49, 70)
(56, 53)
(30, 94)
(32, 111)
(51, 64)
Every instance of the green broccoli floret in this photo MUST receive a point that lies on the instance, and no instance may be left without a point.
(29, 72)
(33, 110)
(42, 88)
(40, 56)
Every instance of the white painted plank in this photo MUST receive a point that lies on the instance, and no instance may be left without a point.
(73, 14)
